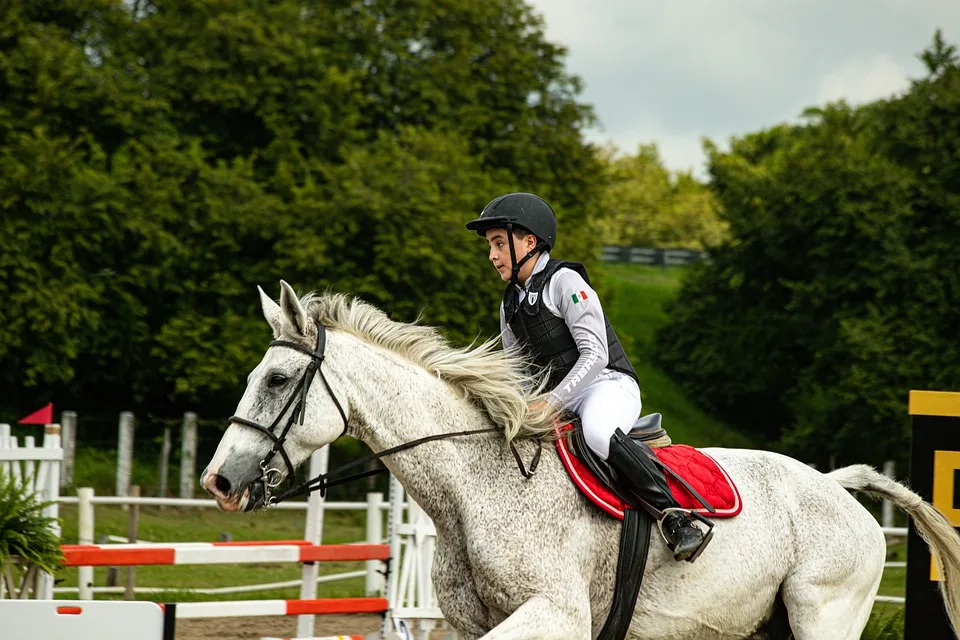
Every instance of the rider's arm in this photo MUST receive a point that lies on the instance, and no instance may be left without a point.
(574, 301)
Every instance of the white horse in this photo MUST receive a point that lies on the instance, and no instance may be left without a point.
(530, 558)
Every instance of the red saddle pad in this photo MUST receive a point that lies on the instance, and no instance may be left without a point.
(698, 469)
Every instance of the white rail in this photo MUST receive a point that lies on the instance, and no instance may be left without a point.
(37, 469)
(374, 506)
(890, 599)
(210, 504)
(247, 588)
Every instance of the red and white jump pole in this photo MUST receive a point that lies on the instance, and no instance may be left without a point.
(92, 555)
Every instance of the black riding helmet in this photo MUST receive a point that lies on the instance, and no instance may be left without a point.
(523, 210)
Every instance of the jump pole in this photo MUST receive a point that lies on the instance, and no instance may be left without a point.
(76, 555)
(313, 533)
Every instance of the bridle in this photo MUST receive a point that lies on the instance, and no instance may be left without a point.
(270, 477)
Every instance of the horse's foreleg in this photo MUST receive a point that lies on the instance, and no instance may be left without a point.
(539, 618)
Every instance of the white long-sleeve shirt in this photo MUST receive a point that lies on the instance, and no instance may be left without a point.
(568, 296)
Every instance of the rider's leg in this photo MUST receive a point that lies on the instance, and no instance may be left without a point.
(607, 406)
(607, 411)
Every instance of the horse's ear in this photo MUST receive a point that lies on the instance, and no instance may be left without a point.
(271, 311)
(293, 313)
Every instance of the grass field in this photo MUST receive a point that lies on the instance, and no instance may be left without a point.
(635, 308)
(635, 305)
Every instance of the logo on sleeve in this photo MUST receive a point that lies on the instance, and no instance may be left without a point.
(579, 297)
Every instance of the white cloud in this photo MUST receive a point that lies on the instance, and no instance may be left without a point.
(681, 151)
(673, 72)
(863, 80)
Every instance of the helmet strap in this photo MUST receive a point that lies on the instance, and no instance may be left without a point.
(514, 267)
(515, 270)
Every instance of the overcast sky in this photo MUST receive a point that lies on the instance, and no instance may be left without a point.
(672, 71)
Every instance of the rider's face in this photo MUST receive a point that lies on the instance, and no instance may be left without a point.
(500, 252)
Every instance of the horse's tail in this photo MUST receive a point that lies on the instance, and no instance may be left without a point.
(932, 526)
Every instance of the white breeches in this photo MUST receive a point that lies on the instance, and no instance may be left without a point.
(604, 407)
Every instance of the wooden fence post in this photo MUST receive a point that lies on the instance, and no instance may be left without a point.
(188, 454)
(164, 463)
(132, 525)
(886, 520)
(125, 453)
(374, 580)
(85, 516)
(68, 438)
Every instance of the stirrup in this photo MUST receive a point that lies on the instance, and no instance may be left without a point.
(707, 535)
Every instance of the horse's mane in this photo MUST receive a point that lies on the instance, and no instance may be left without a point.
(497, 380)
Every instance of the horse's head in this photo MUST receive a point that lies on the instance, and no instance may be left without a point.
(283, 416)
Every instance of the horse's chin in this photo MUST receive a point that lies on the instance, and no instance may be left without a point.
(249, 500)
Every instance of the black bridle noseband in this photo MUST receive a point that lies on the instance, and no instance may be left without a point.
(271, 477)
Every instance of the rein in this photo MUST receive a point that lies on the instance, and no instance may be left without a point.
(271, 477)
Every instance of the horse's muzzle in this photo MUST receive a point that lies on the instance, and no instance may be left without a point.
(234, 491)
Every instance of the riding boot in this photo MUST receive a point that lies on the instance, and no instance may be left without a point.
(639, 477)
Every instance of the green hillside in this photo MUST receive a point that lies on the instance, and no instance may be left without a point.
(634, 303)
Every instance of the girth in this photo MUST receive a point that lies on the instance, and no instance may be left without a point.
(631, 563)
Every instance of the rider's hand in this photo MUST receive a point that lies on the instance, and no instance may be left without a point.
(539, 405)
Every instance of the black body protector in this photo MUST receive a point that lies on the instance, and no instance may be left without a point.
(546, 336)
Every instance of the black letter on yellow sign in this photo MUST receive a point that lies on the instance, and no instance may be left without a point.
(946, 465)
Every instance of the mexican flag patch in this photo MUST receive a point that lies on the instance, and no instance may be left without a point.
(577, 297)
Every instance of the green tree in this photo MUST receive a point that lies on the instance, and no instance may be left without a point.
(643, 204)
(158, 161)
(388, 225)
(837, 291)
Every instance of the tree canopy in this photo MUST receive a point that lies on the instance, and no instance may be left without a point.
(645, 204)
(838, 289)
(158, 161)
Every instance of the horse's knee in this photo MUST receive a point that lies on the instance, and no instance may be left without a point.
(539, 617)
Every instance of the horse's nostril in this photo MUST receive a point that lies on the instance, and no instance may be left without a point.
(222, 485)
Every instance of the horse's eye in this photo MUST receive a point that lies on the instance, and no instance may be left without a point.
(276, 380)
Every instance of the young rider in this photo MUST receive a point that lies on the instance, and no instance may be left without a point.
(551, 311)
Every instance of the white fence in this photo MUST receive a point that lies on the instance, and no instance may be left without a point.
(39, 469)
(652, 256)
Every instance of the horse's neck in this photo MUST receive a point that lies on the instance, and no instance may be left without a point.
(397, 402)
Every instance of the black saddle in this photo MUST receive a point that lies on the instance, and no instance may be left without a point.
(647, 428)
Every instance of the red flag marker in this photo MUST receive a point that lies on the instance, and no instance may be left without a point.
(41, 416)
